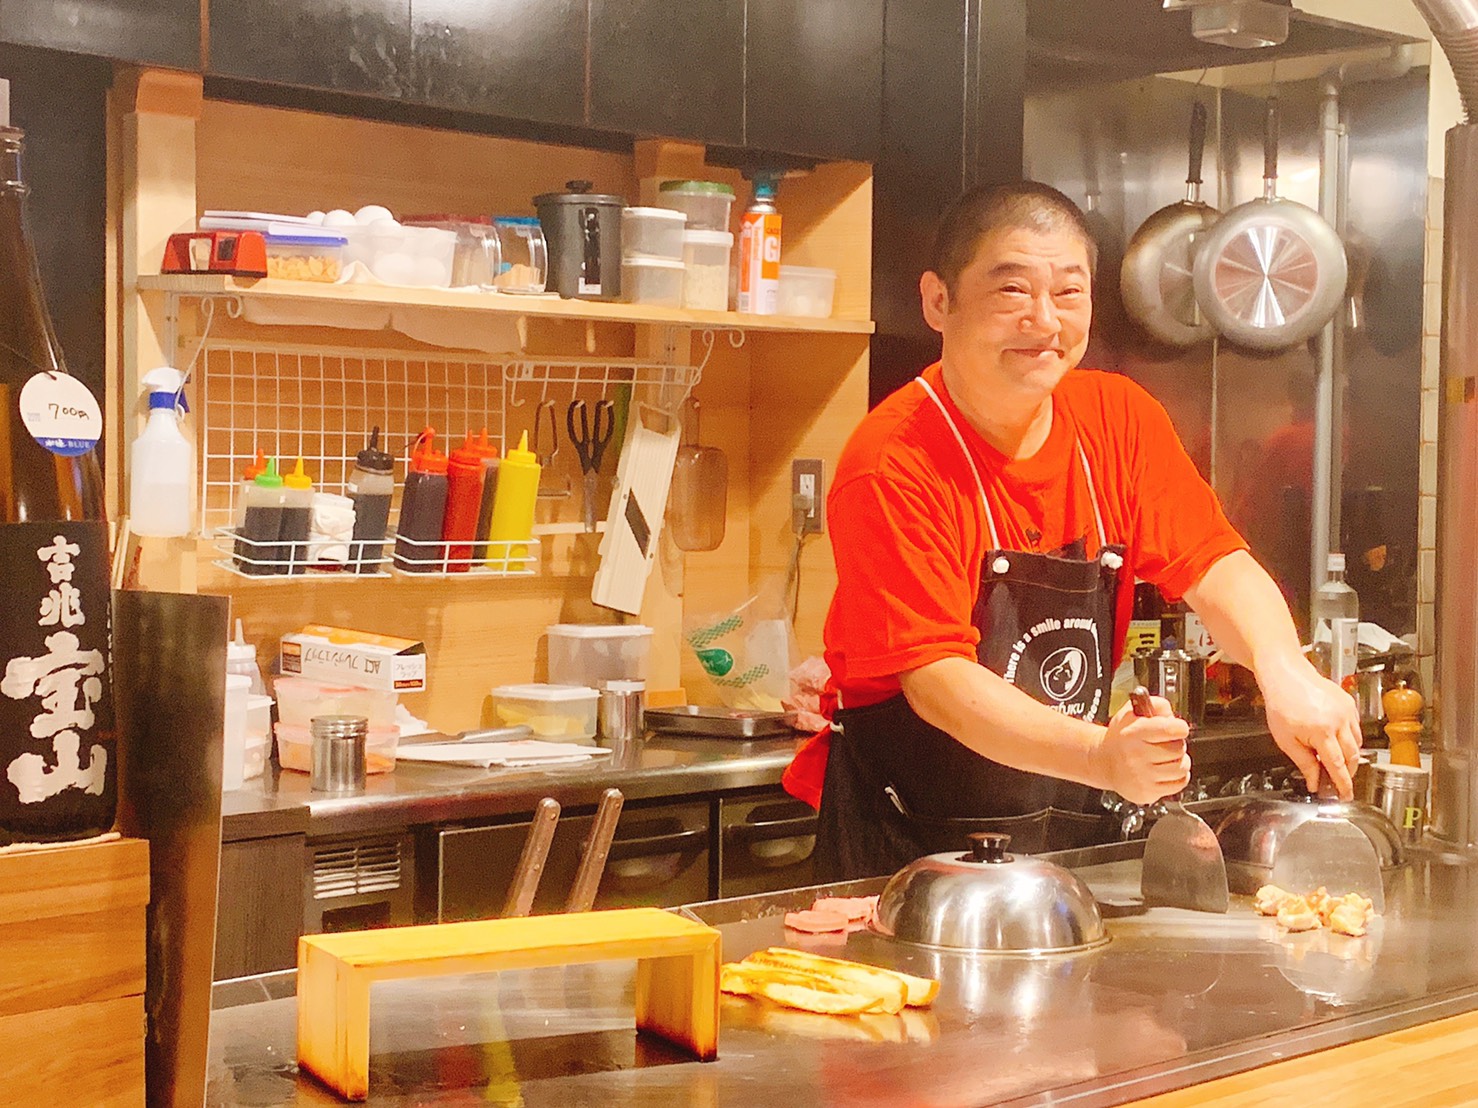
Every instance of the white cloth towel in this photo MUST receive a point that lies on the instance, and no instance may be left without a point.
(330, 530)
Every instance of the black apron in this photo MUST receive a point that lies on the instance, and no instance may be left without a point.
(897, 788)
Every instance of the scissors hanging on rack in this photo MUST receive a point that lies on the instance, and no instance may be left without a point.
(590, 441)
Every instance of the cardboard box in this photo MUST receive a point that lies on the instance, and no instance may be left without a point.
(355, 658)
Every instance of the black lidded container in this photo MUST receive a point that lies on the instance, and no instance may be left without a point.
(583, 232)
(422, 510)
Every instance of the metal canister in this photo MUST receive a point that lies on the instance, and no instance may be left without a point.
(1401, 792)
(622, 706)
(338, 753)
(1177, 675)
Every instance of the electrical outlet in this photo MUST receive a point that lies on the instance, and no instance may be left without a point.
(806, 481)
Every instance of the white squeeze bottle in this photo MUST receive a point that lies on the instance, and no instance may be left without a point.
(1337, 617)
(159, 487)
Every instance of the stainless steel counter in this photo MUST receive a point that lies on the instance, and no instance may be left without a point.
(1175, 998)
(656, 767)
(281, 803)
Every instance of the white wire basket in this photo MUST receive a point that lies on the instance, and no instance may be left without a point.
(277, 561)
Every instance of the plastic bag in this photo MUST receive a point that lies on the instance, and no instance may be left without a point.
(747, 652)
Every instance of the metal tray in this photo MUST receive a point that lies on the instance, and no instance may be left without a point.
(719, 723)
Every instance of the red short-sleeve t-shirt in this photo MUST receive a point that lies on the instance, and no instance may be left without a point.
(909, 535)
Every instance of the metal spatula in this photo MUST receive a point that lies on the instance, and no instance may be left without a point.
(1331, 851)
(1183, 863)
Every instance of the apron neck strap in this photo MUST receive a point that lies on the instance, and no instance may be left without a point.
(990, 519)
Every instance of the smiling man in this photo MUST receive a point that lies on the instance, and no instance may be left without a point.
(988, 521)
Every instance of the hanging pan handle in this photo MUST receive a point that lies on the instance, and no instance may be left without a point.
(1270, 144)
(1198, 143)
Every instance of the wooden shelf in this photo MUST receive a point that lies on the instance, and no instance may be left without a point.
(306, 293)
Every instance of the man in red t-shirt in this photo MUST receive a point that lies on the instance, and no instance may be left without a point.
(988, 521)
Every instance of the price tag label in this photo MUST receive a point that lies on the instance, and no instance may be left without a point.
(61, 414)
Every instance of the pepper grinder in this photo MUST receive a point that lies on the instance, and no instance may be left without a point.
(1403, 707)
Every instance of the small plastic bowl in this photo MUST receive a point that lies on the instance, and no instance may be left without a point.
(806, 292)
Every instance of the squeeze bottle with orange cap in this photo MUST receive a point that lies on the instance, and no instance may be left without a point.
(297, 519)
(422, 509)
(513, 506)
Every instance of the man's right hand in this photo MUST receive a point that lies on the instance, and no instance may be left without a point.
(1144, 758)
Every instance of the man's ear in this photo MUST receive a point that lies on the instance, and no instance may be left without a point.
(934, 295)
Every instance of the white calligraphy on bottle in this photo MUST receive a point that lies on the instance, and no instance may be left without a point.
(68, 680)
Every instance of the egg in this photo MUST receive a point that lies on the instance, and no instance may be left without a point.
(372, 213)
(315, 216)
(339, 218)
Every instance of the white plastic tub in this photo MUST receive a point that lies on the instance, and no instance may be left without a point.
(295, 748)
(706, 276)
(550, 711)
(807, 292)
(258, 734)
(299, 699)
(589, 655)
(652, 233)
(656, 281)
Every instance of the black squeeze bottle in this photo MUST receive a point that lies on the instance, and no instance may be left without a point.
(418, 547)
(370, 487)
(58, 743)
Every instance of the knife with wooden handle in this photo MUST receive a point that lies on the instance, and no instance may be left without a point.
(597, 850)
(531, 861)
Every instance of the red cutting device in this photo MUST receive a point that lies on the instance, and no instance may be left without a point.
(237, 253)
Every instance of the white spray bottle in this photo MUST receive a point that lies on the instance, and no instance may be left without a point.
(159, 485)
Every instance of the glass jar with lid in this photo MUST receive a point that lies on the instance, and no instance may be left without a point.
(523, 261)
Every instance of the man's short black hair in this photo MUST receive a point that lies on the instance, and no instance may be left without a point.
(1025, 205)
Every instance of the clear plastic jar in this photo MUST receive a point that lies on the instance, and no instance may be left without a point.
(706, 203)
(706, 277)
(523, 259)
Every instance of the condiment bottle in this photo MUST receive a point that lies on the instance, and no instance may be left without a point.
(261, 524)
(422, 509)
(57, 736)
(1403, 708)
(490, 462)
(370, 487)
(464, 477)
(297, 520)
(248, 478)
(241, 659)
(513, 507)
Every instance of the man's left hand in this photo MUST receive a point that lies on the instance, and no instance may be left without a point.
(1315, 723)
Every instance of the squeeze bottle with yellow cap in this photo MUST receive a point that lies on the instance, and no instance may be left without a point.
(513, 506)
(297, 517)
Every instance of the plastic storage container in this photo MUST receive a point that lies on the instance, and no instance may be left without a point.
(475, 259)
(258, 734)
(706, 272)
(652, 233)
(590, 654)
(306, 257)
(523, 258)
(550, 711)
(299, 699)
(706, 203)
(295, 747)
(807, 292)
(656, 281)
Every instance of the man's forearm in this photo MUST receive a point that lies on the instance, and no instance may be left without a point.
(1246, 615)
(994, 718)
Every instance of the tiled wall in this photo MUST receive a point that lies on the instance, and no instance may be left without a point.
(1427, 505)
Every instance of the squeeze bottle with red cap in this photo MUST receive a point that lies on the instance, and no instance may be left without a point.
(422, 509)
(513, 507)
(464, 476)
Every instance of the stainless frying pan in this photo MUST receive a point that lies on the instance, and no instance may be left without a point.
(1155, 279)
(1271, 272)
